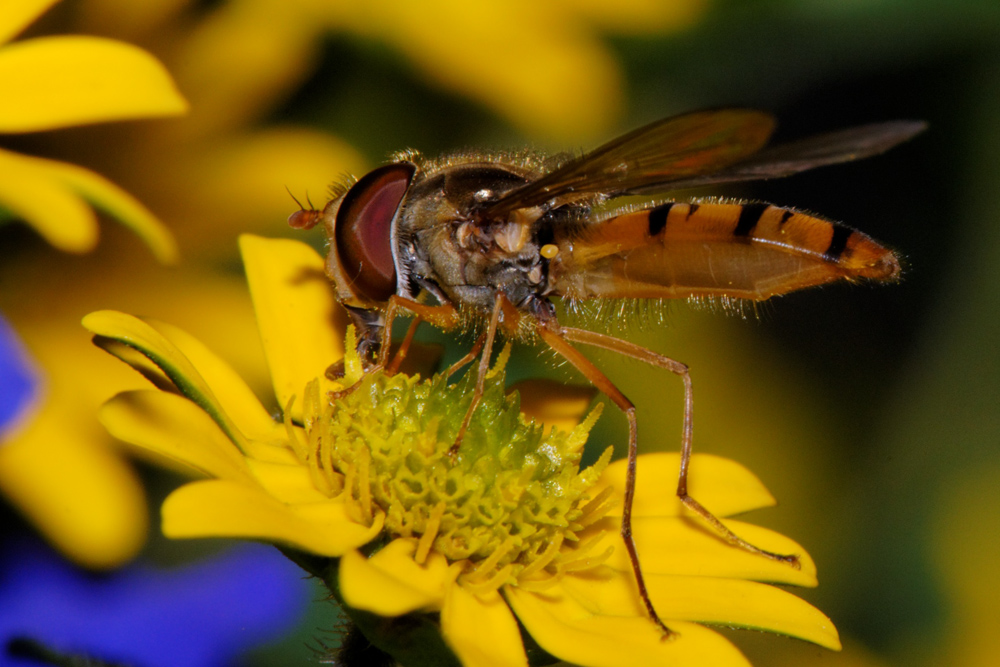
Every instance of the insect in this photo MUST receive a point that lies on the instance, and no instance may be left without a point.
(495, 238)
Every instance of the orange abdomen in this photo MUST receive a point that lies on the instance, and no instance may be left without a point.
(740, 250)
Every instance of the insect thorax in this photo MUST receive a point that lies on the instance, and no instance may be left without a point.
(447, 246)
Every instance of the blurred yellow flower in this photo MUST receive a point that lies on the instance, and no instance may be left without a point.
(55, 82)
(217, 172)
(62, 470)
(543, 65)
(487, 541)
(965, 553)
(83, 498)
(546, 67)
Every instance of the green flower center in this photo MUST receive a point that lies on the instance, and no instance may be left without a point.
(507, 503)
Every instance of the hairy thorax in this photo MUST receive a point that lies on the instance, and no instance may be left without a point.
(456, 253)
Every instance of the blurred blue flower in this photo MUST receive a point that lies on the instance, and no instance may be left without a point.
(19, 381)
(199, 615)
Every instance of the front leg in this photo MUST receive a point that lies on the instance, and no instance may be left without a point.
(374, 334)
(444, 317)
(369, 325)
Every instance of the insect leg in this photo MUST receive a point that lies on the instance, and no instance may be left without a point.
(484, 366)
(554, 336)
(648, 356)
(443, 316)
(477, 347)
(404, 347)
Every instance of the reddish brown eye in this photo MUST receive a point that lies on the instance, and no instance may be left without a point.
(362, 233)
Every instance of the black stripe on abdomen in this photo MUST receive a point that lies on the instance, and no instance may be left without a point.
(658, 218)
(838, 242)
(750, 215)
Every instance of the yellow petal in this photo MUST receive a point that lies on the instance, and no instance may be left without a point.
(274, 450)
(54, 210)
(745, 604)
(114, 201)
(555, 77)
(138, 361)
(300, 324)
(239, 183)
(55, 82)
(224, 508)
(60, 468)
(240, 60)
(171, 427)
(287, 482)
(732, 602)
(481, 630)
(197, 373)
(638, 16)
(16, 15)
(688, 546)
(126, 19)
(391, 583)
(568, 631)
(53, 197)
(233, 394)
(553, 403)
(82, 497)
(721, 485)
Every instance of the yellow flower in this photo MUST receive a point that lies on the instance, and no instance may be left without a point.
(965, 554)
(543, 65)
(517, 536)
(56, 82)
(62, 470)
(546, 67)
(220, 170)
(84, 498)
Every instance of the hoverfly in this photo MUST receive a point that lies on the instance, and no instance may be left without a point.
(495, 238)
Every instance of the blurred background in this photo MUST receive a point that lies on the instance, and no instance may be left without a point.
(872, 413)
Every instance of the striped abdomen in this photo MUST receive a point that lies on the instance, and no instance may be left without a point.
(750, 251)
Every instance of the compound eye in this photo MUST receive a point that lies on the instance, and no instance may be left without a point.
(362, 232)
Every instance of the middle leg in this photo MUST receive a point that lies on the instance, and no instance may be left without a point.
(484, 365)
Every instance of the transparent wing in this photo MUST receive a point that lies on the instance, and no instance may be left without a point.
(786, 159)
(703, 148)
(677, 148)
